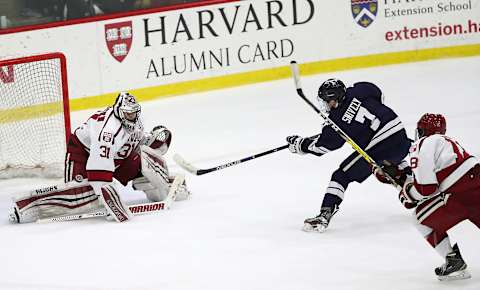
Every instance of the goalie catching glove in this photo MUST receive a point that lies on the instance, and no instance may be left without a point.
(159, 139)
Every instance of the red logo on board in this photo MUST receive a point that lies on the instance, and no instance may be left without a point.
(119, 39)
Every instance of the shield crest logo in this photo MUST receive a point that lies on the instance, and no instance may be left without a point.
(364, 11)
(119, 39)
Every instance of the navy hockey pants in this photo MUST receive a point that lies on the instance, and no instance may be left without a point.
(356, 168)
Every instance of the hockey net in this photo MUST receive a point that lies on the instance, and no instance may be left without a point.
(34, 116)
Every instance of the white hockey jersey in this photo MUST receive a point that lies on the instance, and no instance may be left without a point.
(437, 162)
(107, 141)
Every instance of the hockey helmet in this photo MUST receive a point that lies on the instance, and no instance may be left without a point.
(332, 89)
(430, 124)
(127, 110)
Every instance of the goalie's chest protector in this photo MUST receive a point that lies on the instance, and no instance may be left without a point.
(104, 137)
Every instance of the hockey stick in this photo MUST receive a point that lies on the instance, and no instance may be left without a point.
(135, 209)
(296, 77)
(172, 192)
(197, 171)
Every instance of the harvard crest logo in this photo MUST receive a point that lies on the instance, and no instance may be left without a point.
(119, 39)
(364, 11)
(107, 137)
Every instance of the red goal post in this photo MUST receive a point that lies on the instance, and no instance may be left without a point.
(34, 115)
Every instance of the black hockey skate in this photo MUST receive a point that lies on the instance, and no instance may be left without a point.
(321, 221)
(454, 267)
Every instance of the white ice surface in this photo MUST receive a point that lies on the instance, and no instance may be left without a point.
(241, 229)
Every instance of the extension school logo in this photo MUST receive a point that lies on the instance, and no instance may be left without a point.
(119, 39)
(364, 11)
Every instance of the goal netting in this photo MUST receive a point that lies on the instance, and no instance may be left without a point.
(34, 116)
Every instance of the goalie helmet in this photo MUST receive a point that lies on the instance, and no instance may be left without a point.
(127, 110)
(332, 90)
(430, 124)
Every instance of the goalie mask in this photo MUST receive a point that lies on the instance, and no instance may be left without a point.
(332, 90)
(127, 110)
(430, 124)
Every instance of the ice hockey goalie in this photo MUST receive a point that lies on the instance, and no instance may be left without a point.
(103, 154)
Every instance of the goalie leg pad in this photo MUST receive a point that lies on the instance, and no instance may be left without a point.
(143, 184)
(114, 204)
(69, 198)
(155, 180)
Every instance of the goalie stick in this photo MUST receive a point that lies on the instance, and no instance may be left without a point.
(296, 77)
(197, 171)
(135, 209)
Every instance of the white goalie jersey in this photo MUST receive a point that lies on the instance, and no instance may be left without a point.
(107, 142)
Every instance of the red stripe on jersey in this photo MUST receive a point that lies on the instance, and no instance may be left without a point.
(462, 155)
(425, 189)
(444, 173)
(99, 175)
(78, 151)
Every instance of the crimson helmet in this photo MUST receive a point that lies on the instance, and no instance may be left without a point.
(430, 124)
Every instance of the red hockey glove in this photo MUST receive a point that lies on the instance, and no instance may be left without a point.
(405, 198)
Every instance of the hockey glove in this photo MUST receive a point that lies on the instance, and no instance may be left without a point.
(159, 139)
(295, 144)
(405, 198)
(399, 173)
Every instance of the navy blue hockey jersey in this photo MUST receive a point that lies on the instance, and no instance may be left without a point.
(363, 117)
